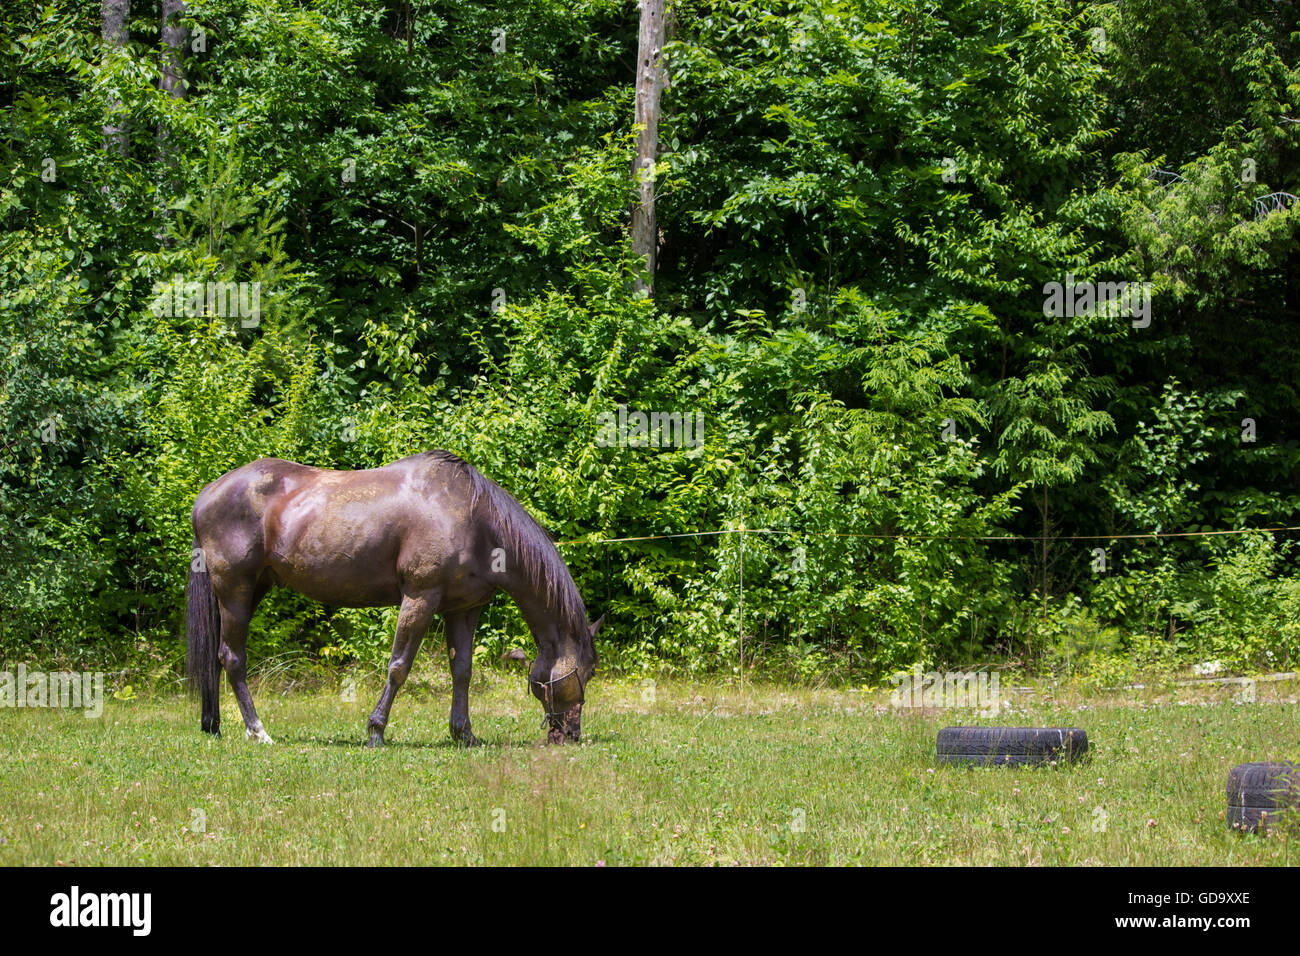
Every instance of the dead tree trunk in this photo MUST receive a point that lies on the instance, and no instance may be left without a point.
(171, 80)
(113, 17)
(649, 85)
(174, 37)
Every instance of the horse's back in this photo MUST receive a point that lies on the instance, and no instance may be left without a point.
(344, 537)
(229, 513)
(243, 493)
(251, 488)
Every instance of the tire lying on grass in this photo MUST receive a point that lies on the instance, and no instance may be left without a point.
(1011, 746)
(1259, 793)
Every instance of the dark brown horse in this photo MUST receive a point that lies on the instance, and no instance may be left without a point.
(428, 533)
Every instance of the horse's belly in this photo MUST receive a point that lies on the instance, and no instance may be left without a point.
(337, 561)
(339, 587)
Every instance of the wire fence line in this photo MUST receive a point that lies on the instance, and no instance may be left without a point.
(931, 537)
(1037, 539)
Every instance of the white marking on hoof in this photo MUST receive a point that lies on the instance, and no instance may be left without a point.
(260, 735)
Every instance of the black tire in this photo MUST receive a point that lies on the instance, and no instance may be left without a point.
(1011, 746)
(1258, 793)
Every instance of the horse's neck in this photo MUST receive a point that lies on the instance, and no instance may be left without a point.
(542, 620)
(532, 593)
(533, 607)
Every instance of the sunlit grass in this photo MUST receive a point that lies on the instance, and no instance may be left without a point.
(686, 774)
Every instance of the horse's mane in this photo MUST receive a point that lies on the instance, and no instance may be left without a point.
(531, 545)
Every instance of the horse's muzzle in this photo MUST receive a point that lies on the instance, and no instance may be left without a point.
(566, 726)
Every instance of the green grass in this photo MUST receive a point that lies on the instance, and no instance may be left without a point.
(701, 774)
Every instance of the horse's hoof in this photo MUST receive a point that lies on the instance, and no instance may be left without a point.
(466, 739)
(260, 735)
(376, 740)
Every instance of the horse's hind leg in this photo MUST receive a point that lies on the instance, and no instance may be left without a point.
(235, 615)
(460, 648)
(412, 624)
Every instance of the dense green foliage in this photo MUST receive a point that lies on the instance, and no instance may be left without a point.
(860, 206)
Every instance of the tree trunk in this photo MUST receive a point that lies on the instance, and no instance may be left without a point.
(649, 85)
(114, 15)
(174, 37)
(172, 81)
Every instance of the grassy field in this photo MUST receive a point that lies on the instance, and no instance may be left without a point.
(688, 774)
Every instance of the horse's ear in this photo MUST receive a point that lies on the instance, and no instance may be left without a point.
(593, 628)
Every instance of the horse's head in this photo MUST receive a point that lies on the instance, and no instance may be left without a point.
(559, 680)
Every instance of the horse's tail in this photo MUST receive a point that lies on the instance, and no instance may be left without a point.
(202, 638)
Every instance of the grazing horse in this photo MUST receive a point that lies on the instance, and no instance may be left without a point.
(428, 533)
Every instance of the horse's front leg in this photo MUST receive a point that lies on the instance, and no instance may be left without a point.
(412, 624)
(460, 649)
